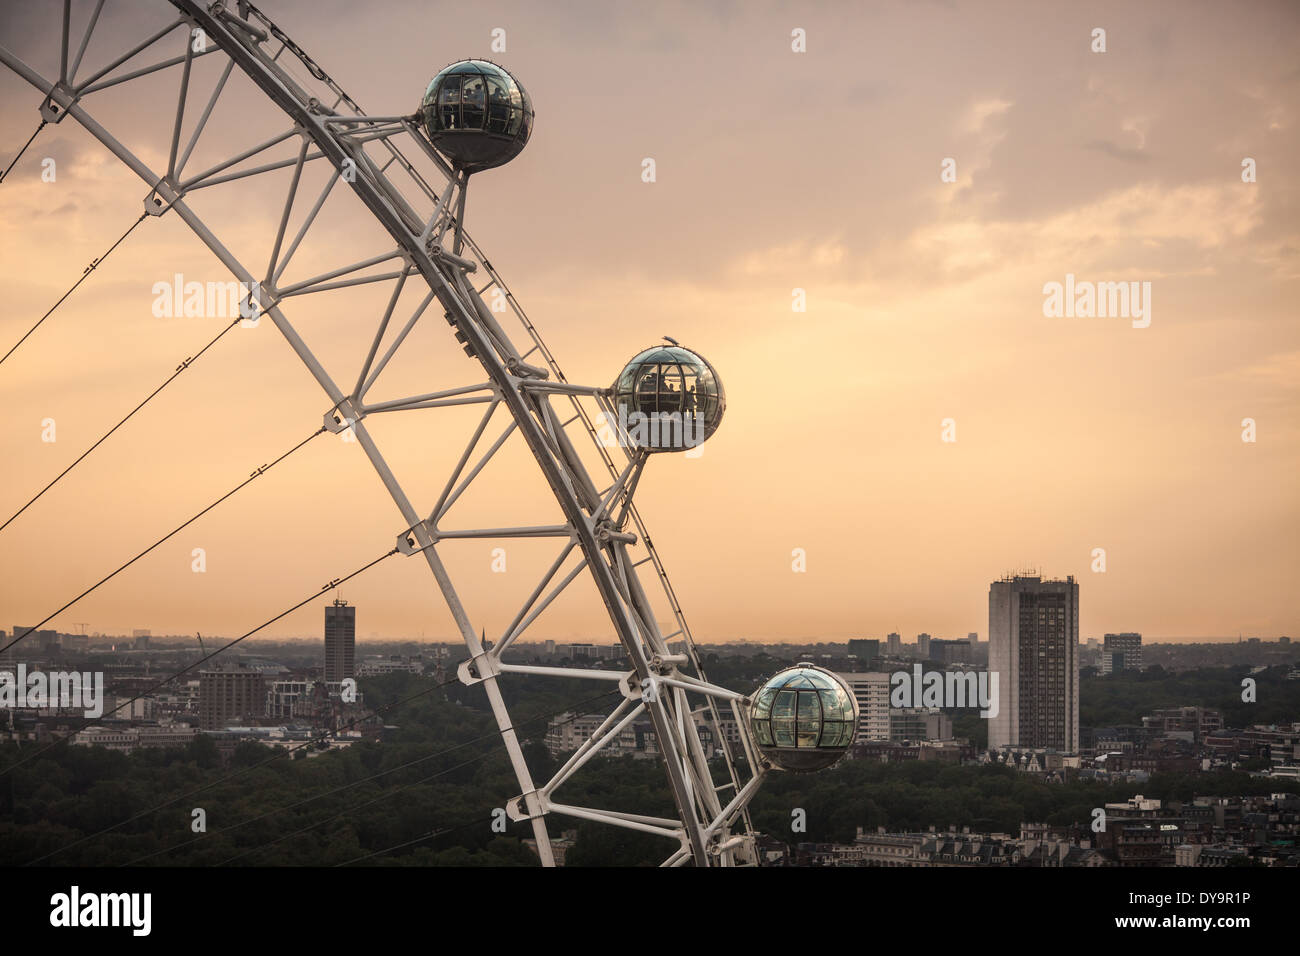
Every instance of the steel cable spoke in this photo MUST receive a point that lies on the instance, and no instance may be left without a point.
(94, 264)
(243, 484)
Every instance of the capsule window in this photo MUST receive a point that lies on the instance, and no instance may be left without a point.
(834, 706)
(472, 102)
(785, 704)
(448, 108)
(498, 106)
(809, 718)
(783, 731)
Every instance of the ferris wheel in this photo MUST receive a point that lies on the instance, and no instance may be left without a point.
(591, 443)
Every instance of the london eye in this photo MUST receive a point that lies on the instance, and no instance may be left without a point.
(410, 169)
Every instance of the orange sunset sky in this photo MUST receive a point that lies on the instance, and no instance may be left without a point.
(775, 171)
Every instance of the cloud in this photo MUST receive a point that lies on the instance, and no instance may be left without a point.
(1280, 371)
(1143, 231)
(1125, 153)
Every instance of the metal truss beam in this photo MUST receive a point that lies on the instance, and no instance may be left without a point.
(654, 686)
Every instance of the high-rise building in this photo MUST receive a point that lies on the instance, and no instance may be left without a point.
(950, 652)
(864, 649)
(20, 633)
(340, 642)
(230, 696)
(1121, 652)
(579, 649)
(871, 688)
(923, 646)
(1034, 650)
(895, 643)
(34, 643)
(281, 695)
(919, 723)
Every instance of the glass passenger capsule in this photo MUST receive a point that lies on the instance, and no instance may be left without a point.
(804, 719)
(477, 115)
(668, 399)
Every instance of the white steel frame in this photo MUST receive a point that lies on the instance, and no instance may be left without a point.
(432, 248)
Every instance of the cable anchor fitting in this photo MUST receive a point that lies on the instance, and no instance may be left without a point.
(408, 542)
(56, 105)
(343, 416)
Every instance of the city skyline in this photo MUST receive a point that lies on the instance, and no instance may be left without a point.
(905, 637)
(450, 638)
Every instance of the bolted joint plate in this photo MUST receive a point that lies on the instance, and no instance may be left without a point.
(634, 688)
(165, 193)
(343, 416)
(408, 542)
(475, 670)
(517, 810)
(56, 105)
